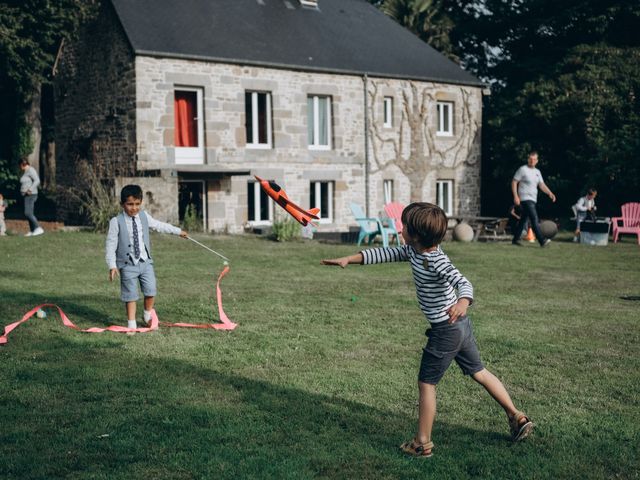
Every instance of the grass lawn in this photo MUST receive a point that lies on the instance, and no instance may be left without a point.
(319, 378)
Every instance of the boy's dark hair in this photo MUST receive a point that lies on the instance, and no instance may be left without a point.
(592, 191)
(425, 222)
(130, 191)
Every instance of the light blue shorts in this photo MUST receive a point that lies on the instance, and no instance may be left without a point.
(131, 275)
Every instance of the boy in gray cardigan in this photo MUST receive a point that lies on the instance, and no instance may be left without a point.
(128, 252)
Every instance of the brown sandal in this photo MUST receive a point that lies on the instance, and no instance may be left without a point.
(415, 449)
(520, 426)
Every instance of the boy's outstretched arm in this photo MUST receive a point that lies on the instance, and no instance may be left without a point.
(344, 261)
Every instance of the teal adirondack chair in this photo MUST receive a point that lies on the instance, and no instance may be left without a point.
(370, 227)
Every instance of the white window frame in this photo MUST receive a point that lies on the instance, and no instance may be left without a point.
(255, 141)
(192, 155)
(440, 200)
(387, 190)
(316, 123)
(257, 189)
(445, 111)
(387, 105)
(325, 217)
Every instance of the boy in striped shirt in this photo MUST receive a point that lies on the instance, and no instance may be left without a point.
(444, 295)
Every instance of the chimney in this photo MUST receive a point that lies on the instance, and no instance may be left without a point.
(309, 3)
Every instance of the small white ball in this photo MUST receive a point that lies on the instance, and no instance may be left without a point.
(41, 314)
(225, 263)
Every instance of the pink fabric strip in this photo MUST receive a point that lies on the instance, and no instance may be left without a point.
(70, 324)
(225, 325)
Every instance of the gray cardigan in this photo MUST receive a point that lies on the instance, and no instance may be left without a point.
(29, 181)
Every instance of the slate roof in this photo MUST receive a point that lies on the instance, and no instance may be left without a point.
(340, 36)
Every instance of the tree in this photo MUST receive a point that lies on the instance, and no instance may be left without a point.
(30, 35)
(565, 81)
(428, 19)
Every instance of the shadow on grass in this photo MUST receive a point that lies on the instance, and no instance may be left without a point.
(75, 306)
(110, 416)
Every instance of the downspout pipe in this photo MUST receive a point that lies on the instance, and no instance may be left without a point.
(366, 145)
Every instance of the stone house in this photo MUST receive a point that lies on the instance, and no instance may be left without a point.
(331, 99)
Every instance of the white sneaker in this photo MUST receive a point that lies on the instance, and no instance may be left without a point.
(29, 234)
(37, 231)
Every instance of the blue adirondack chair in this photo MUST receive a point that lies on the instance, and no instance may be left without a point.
(370, 227)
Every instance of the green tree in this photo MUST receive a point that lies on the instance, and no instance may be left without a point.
(428, 19)
(565, 81)
(30, 35)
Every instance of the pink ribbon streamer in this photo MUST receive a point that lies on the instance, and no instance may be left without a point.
(225, 325)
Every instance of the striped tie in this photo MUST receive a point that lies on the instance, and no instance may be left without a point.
(136, 241)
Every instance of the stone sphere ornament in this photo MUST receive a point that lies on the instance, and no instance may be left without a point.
(463, 232)
(548, 228)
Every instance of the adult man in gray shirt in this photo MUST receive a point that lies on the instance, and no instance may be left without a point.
(524, 187)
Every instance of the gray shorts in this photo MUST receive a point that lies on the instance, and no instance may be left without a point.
(449, 342)
(131, 275)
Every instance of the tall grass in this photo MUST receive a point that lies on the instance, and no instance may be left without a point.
(96, 198)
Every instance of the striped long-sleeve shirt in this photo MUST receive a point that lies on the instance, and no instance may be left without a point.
(435, 277)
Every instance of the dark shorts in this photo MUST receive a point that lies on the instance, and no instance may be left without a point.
(449, 342)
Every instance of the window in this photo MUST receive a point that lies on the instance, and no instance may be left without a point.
(444, 195)
(319, 122)
(322, 198)
(257, 107)
(387, 188)
(445, 119)
(259, 207)
(188, 126)
(388, 112)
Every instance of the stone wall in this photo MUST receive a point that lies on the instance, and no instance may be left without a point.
(289, 161)
(95, 106)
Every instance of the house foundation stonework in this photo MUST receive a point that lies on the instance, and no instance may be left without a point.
(195, 131)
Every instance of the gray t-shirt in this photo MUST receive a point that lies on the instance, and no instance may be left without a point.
(528, 180)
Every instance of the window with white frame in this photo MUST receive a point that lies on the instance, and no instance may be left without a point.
(444, 195)
(387, 188)
(259, 208)
(257, 107)
(445, 119)
(319, 122)
(388, 112)
(322, 197)
(188, 125)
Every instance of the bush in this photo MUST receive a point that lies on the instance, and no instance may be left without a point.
(192, 222)
(285, 230)
(96, 200)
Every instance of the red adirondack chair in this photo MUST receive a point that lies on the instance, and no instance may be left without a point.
(629, 222)
(394, 212)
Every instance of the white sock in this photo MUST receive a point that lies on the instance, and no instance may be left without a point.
(132, 324)
(147, 316)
